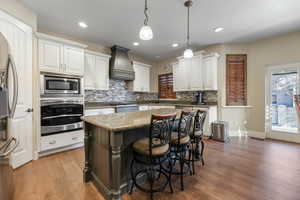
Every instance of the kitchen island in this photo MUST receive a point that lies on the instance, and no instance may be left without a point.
(108, 153)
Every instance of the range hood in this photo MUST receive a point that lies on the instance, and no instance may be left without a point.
(121, 67)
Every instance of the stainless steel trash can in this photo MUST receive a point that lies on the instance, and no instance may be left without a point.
(219, 131)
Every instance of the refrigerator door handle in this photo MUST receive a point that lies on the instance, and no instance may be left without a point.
(7, 150)
(16, 87)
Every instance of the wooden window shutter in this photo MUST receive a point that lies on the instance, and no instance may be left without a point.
(165, 83)
(236, 80)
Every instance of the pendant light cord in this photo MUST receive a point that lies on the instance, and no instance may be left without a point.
(146, 15)
(188, 27)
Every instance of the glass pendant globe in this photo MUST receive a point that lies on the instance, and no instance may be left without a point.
(146, 33)
(188, 53)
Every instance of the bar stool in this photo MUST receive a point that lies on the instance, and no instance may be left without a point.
(180, 142)
(152, 153)
(197, 138)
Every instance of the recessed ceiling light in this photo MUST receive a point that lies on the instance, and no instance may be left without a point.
(175, 45)
(136, 44)
(219, 29)
(82, 24)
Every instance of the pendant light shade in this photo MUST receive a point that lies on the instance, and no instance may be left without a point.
(188, 53)
(146, 32)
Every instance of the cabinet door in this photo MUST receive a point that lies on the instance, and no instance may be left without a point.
(89, 73)
(101, 71)
(138, 78)
(195, 74)
(74, 60)
(176, 77)
(20, 126)
(50, 56)
(146, 79)
(210, 74)
(182, 74)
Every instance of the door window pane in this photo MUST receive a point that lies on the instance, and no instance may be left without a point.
(283, 88)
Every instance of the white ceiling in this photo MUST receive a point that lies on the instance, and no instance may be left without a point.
(118, 21)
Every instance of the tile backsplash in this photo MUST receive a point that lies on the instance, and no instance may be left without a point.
(208, 96)
(118, 92)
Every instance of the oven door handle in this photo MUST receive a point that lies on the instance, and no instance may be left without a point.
(59, 116)
(45, 103)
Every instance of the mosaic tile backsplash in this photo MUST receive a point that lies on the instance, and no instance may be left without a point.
(118, 92)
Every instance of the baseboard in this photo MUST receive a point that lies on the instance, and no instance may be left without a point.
(256, 134)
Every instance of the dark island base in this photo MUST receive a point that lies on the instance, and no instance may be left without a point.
(108, 155)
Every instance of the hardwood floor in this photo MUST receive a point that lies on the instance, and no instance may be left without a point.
(243, 169)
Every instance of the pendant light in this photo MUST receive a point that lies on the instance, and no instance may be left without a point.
(146, 31)
(188, 53)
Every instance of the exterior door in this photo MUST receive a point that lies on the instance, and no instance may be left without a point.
(282, 84)
(19, 37)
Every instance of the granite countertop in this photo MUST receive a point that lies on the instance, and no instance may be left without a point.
(126, 121)
(97, 105)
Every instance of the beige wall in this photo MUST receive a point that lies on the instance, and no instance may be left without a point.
(18, 10)
(277, 50)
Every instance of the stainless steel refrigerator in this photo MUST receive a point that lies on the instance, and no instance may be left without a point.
(7, 144)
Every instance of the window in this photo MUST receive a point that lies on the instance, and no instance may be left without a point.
(236, 80)
(165, 83)
(283, 112)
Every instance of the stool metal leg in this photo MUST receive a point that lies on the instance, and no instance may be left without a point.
(132, 177)
(202, 150)
(170, 175)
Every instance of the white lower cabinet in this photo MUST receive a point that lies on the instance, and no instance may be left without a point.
(61, 140)
(100, 111)
(212, 115)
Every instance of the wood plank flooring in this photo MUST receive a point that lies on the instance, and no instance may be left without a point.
(243, 169)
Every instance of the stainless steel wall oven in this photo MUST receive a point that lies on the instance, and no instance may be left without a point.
(59, 116)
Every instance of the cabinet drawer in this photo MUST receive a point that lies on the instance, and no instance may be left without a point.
(61, 140)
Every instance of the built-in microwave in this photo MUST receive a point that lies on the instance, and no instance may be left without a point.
(58, 85)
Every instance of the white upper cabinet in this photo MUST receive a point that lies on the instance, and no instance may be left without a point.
(50, 56)
(96, 73)
(142, 78)
(197, 73)
(210, 72)
(60, 56)
(74, 60)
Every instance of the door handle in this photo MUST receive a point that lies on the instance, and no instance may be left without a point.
(29, 110)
